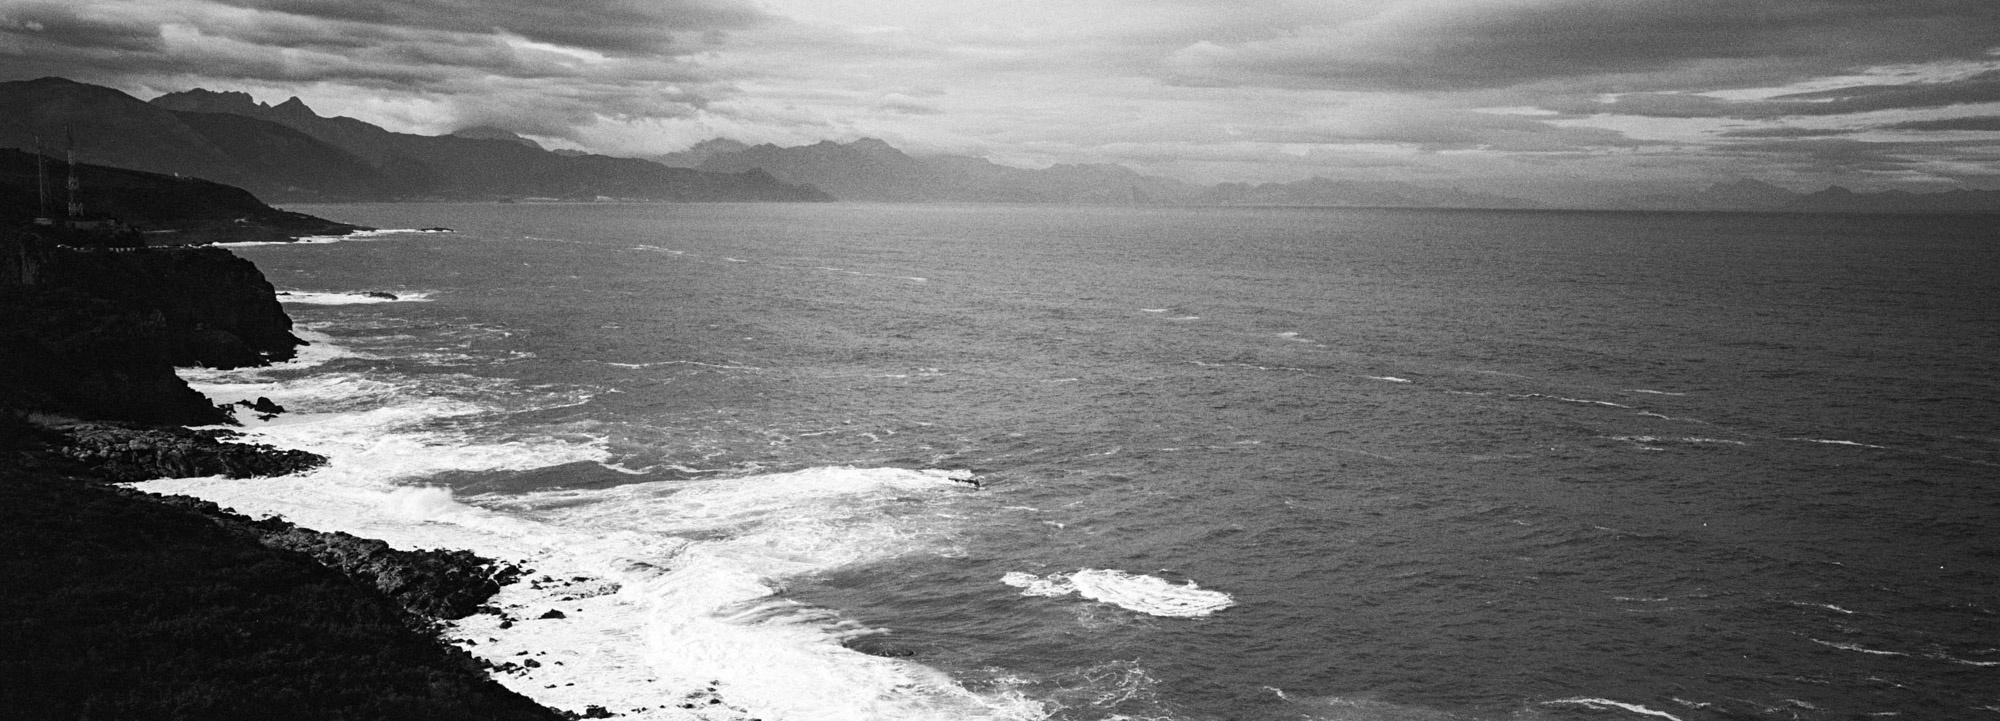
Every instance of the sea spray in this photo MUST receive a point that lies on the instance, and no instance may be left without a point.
(655, 599)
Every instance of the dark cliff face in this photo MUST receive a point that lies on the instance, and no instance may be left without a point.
(65, 352)
(97, 334)
(218, 309)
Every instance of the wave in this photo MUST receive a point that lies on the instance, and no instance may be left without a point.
(1831, 442)
(1601, 703)
(1134, 592)
(359, 235)
(308, 297)
(642, 597)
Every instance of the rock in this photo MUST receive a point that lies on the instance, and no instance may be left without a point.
(384, 295)
(128, 453)
(434, 584)
(263, 406)
(553, 614)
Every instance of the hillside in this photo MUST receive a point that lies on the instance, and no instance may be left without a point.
(171, 208)
(288, 153)
(486, 162)
(872, 170)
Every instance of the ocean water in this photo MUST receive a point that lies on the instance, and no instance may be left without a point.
(855, 461)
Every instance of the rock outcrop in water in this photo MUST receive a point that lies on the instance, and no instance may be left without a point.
(432, 584)
(124, 453)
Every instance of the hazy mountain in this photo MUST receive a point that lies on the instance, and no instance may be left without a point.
(872, 170)
(694, 156)
(494, 163)
(1745, 194)
(1753, 195)
(1356, 193)
(488, 132)
(1837, 199)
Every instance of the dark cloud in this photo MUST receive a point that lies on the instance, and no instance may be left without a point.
(1788, 133)
(1980, 88)
(583, 61)
(622, 27)
(1479, 44)
(1829, 157)
(1984, 122)
(50, 24)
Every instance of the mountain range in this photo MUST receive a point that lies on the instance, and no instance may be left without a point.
(1758, 196)
(289, 153)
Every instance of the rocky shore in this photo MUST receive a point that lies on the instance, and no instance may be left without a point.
(124, 604)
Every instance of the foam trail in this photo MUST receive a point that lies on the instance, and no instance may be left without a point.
(1600, 703)
(359, 235)
(307, 297)
(1837, 443)
(1130, 591)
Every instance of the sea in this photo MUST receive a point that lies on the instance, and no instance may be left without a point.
(882, 462)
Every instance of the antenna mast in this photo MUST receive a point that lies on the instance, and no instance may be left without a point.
(41, 183)
(75, 208)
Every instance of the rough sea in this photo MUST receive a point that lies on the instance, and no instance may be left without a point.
(877, 462)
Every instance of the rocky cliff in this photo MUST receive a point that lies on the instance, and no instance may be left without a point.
(97, 333)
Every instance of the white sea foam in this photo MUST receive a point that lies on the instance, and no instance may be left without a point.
(1836, 443)
(1391, 379)
(1602, 703)
(670, 591)
(1858, 648)
(1145, 594)
(354, 236)
(1584, 401)
(308, 297)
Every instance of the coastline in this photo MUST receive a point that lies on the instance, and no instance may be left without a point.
(132, 604)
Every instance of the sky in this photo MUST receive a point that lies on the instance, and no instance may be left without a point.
(1539, 98)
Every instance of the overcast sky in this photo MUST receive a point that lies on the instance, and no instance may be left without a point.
(1525, 96)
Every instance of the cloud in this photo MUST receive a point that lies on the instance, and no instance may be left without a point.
(547, 68)
(1788, 133)
(628, 27)
(1979, 88)
(1457, 45)
(1984, 122)
(63, 25)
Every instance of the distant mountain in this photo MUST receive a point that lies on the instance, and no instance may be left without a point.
(1754, 195)
(288, 153)
(873, 170)
(1356, 193)
(488, 132)
(694, 156)
(494, 163)
(112, 128)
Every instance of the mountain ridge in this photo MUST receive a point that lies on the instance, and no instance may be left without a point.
(289, 153)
